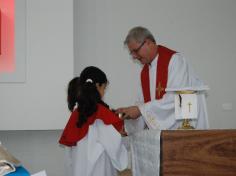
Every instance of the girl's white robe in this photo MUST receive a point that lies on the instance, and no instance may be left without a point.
(100, 153)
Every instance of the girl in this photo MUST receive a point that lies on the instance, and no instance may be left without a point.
(94, 145)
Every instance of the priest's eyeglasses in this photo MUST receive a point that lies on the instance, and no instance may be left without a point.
(135, 51)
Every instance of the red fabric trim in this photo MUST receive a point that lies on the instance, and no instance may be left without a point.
(145, 83)
(164, 57)
(72, 134)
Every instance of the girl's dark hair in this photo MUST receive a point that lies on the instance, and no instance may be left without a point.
(72, 93)
(83, 91)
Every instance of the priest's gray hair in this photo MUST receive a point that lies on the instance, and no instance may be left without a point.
(139, 34)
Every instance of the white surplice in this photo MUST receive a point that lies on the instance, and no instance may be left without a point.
(160, 114)
(100, 153)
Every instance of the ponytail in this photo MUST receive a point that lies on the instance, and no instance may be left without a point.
(87, 101)
(88, 96)
(72, 93)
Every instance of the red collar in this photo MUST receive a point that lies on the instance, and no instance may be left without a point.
(72, 134)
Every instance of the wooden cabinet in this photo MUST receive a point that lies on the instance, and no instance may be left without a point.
(198, 153)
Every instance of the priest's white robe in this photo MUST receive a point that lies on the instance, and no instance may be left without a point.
(160, 114)
(100, 153)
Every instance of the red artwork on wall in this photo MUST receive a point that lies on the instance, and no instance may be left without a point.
(7, 36)
(0, 32)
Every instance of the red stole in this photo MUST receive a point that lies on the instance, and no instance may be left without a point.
(72, 134)
(163, 61)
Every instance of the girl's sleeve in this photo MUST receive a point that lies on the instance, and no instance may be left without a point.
(111, 140)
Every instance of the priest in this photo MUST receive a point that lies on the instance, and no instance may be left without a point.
(162, 68)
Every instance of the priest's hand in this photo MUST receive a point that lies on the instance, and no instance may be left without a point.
(131, 112)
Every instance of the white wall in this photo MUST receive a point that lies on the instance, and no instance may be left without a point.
(40, 102)
(203, 30)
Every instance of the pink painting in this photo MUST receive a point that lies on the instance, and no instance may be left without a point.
(7, 36)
